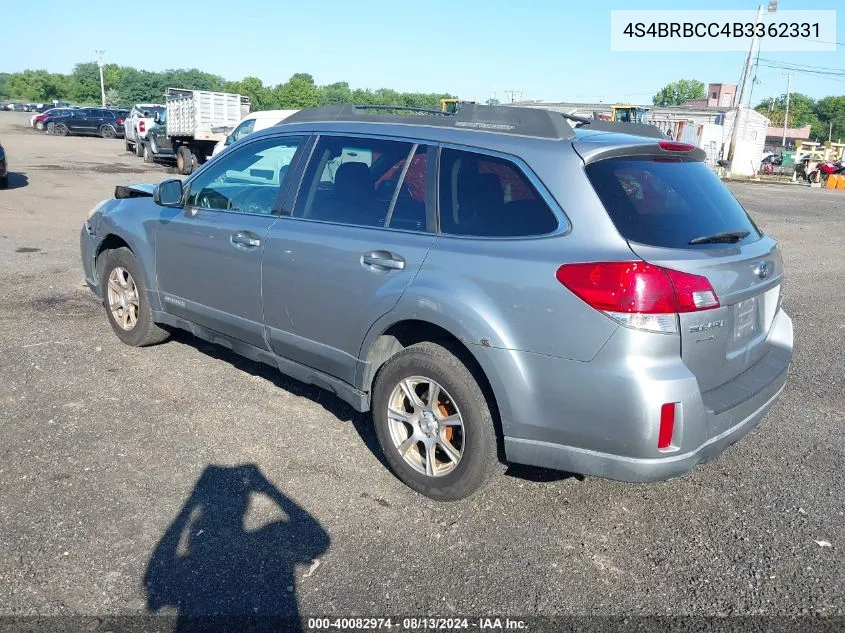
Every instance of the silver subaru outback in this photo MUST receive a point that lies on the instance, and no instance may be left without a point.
(497, 285)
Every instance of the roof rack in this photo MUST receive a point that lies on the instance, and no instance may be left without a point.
(501, 119)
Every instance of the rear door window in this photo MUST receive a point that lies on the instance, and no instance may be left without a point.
(666, 202)
(487, 196)
(364, 182)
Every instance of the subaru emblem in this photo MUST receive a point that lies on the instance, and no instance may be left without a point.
(762, 270)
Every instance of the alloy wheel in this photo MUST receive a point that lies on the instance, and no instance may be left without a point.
(426, 426)
(123, 298)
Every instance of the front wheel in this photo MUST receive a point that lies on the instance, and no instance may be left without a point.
(61, 129)
(126, 301)
(51, 128)
(4, 182)
(433, 423)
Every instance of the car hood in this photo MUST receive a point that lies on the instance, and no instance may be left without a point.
(139, 190)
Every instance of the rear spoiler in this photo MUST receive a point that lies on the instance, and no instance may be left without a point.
(636, 129)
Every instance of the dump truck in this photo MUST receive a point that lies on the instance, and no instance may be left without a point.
(193, 122)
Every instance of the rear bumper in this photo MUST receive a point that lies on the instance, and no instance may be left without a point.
(606, 425)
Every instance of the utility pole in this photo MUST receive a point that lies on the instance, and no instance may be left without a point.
(746, 73)
(102, 83)
(786, 114)
(513, 95)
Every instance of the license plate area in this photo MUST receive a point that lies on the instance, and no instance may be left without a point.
(746, 320)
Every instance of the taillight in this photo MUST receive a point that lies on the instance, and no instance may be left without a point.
(141, 126)
(638, 294)
(120, 121)
(674, 146)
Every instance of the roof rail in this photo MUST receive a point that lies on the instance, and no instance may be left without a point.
(501, 119)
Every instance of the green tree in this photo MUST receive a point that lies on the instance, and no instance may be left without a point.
(492, 101)
(802, 111)
(831, 114)
(298, 92)
(334, 94)
(679, 92)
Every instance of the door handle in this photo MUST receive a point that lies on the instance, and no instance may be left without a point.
(244, 240)
(382, 261)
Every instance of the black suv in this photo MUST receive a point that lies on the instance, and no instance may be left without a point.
(105, 122)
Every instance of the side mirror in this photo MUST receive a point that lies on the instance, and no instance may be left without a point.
(229, 140)
(157, 117)
(168, 193)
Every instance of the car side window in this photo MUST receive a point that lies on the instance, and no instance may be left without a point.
(248, 180)
(243, 129)
(353, 180)
(487, 196)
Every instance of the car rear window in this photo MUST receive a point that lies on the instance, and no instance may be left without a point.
(667, 202)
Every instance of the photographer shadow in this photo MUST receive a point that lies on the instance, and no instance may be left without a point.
(221, 576)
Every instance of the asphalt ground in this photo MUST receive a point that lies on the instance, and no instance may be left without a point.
(183, 479)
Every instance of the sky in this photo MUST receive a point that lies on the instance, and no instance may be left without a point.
(551, 50)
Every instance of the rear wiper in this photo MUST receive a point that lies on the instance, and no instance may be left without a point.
(729, 237)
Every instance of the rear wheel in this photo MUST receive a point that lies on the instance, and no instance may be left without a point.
(125, 299)
(433, 423)
(39, 125)
(108, 131)
(184, 160)
(147, 152)
(139, 148)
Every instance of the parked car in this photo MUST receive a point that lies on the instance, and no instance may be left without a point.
(589, 301)
(141, 118)
(4, 169)
(40, 120)
(104, 122)
(252, 122)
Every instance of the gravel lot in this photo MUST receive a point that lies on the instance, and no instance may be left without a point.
(106, 452)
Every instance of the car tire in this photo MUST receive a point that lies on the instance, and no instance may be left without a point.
(123, 285)
(61, 129)
(463, 455)
(147, 153)
(4, 182)
(126, 145)
(139, 148)
(108, 131)
(184, 161)
(39, 126)
(51, 128)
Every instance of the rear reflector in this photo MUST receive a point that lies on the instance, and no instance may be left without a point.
(667, 425)
(141, 126)
(674, 146)
(637, 294)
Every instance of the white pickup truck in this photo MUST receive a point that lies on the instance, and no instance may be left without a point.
(141, 118)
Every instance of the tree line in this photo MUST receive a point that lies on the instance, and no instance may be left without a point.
(126, 85)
